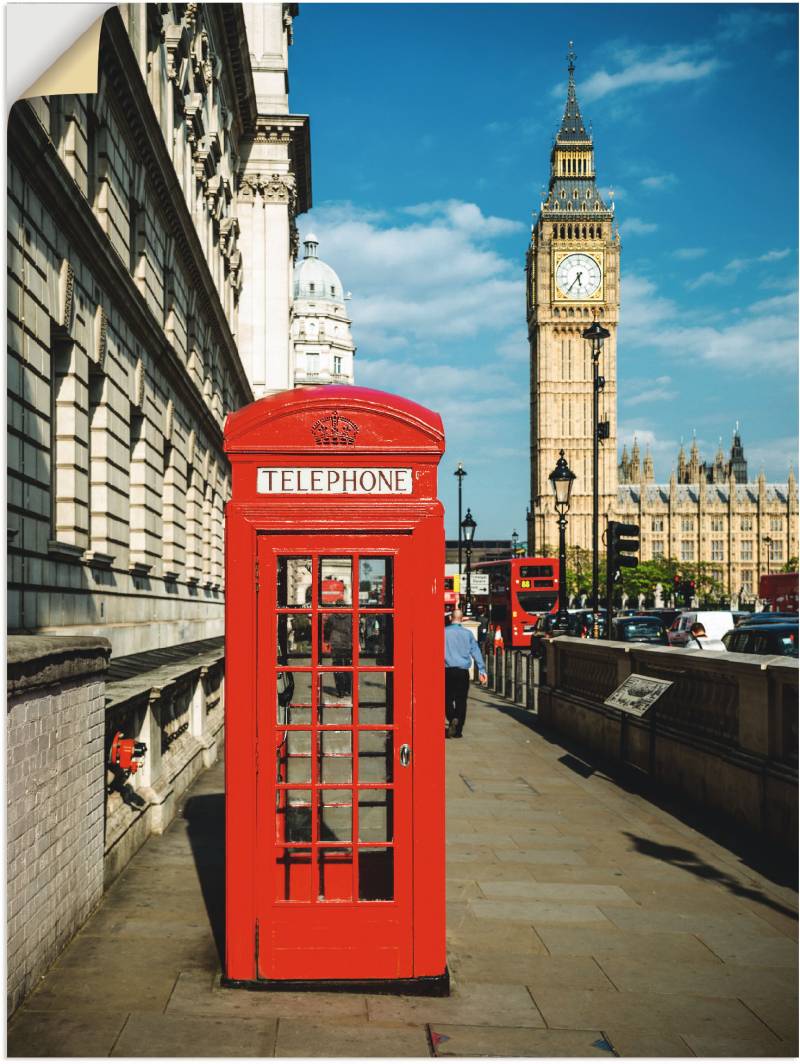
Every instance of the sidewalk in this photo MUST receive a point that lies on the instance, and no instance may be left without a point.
(583, 921)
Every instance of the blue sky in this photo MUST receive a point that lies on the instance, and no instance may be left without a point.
(431, 128)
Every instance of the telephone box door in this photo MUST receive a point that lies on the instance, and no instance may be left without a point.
(335, 757)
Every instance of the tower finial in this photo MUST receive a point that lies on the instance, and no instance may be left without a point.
(571, 57)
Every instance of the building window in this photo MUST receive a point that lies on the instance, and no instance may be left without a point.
(658, 524)
(776, 524)
(747, 524)
(717, 550)
(718, 576)
(687, 551)
(775, 550)
(312, 363)
(687, 524)
(747, 580)
(717, 524)
(747, 550)
(658, 549)
(337, 364)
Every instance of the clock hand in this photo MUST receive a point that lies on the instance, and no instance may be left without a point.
(577, 278)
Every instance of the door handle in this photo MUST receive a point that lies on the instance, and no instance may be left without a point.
(405, 755)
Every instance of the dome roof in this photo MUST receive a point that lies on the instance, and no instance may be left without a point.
(314, 279)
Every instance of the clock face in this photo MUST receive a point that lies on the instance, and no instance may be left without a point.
(579, 276)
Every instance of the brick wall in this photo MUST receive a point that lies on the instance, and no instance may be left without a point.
(56, 798)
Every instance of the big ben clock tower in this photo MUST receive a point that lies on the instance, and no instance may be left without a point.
(572, 279)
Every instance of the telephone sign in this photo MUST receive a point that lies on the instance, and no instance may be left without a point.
(335, 842)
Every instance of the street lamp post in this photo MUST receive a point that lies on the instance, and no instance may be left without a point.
(460, 473)
(769, 541)
(468, 526)
(596, 334)
(561, 479)
(514, 542)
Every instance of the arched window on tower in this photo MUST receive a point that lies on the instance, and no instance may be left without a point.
(591, 232)
(599, 231)
(555, 232)
(569, 232)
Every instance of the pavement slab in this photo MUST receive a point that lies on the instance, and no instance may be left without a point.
(582, 921)
(450, 1040)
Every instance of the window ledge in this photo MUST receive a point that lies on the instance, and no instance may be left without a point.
(64, 550)
(98, 560)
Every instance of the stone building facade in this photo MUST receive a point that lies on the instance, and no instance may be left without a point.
(708, 512)
(322, 345)
(151, 234)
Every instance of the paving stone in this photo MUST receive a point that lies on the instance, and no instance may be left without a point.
(678, 1013)
(459, 871)
(691, 922)
(779, 1012)
(489, 936)
(663, 976)
(545, 856)
(537, 912)
(154, 1034)
(577, 892)
(589, 941)
(531, 969)
(66, 989)
(299, 1038)
(463, 1041)
(88, 1033)
(196, 995)
(766, 1046)
(736, 947)
(477, 1004)
(646, 1042)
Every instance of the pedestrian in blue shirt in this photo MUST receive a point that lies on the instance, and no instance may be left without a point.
(460, 650)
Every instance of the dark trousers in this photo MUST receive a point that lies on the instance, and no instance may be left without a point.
(456, 689)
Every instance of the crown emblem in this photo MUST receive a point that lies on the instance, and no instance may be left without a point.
(333, 430)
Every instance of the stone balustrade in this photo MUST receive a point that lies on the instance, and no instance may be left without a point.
(74, 821)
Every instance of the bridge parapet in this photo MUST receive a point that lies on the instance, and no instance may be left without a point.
(724, 735)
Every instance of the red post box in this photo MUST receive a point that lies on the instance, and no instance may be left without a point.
(334, 761)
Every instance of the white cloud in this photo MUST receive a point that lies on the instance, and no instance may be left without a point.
(642, 70)
(774, 256)
(465, 216)
(731, 270)
(636, 227)
(657, 182)
(690, 253)
(639, 392)
(760, 338)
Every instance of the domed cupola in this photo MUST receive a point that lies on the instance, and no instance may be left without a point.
(313, 278)
(322, 345)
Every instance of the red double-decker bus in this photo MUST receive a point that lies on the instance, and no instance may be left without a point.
(520, 589)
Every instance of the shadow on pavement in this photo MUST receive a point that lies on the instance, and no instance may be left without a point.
(205, 814)
(690, 862)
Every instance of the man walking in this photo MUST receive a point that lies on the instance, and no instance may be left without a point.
(460, 649)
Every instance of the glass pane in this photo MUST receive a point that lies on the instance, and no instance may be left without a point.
(294, 697)
(335, 816)
(375, 639)
(375, 582)
(294, 639)
(294, 581)
(293, 815)
(335, 868)
(374, 757)
(294, 757)
(375, 822)
(293, 878)
(376, 874)
(336, 643)
(335, 707)
(336, 582)
(375, 697)
(335, 756)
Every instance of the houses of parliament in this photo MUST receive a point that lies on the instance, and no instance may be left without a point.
(709, 511)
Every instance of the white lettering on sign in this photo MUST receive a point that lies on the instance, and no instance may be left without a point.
(316, 481)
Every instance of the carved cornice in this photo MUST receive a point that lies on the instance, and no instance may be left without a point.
(292, 131)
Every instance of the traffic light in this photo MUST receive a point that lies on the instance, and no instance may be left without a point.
(623, 545)
(687, 588)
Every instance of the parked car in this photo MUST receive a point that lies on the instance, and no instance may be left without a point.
(715, 622)
(642, 628)
(766, 618)
(777, 639)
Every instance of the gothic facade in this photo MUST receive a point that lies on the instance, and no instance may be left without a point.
(151, 234)
(708, 512)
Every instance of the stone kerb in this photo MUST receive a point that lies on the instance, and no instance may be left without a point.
(55, 733)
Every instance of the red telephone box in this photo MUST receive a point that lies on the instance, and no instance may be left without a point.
(334, 760)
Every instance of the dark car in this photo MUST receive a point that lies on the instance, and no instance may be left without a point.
(582, 623)
(779, 640)
(666, 615)
(766, 618)
(643, 628)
